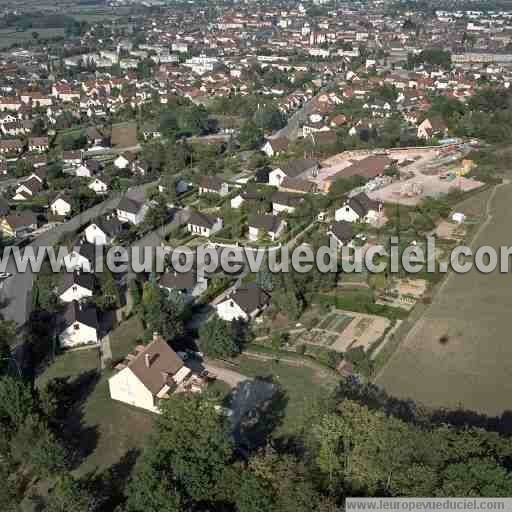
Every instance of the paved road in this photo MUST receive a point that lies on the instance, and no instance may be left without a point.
(16, 291)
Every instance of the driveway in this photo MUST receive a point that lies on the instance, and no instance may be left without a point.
(230, 377)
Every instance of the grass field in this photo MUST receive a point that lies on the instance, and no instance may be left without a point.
(305, 387)
(8, 37)
(107, 430)
(459, 353)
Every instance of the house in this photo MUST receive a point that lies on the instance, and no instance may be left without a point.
(265, 225)
(38, 160)
(298, 168)
(122, 162)
(40, 144)
(130, 210)
(275, 147)
(28, 189)
(88, 169)
(76, 286)
(19, 224)
(72, 157)
(369, 167)
(359, 208)
(11, 146)
(203, 224)
(213, 185)
(81, 257)
(61, 206)
(186, 283)
(237, 201)
(246, 304)
(149, 375)
(99, 186)
(285, 202)
(342, 233)
(298, 185)
(79, 325)
(324, 138)
(103, 231)
(432, 127)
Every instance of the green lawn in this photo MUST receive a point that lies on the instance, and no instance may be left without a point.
(125, 337)
(106, 430)
(305, 388)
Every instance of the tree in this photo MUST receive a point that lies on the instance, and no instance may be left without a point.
(34, 444)
(70, 495)
(109, 297)
(286, 298)
(7, 334)
(162, 310)
(184, 463)
(193, 437)
(16, 401)
(23, 167)
(216, 338)
(39, 128)
(250, 137)
(152, 488)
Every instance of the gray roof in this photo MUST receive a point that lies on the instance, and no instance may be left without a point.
(285, 198)
(178, 281)
(362, 204)
(80, 312)
(343, 231)
(269, 223)
(294, 168)
(202, 219)
(110, 225)
(250, 298)
(129, 205)
(83, 279)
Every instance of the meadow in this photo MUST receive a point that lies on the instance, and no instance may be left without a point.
(458, 354)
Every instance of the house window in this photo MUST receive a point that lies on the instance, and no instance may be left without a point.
(347, 209)
(76, 327)
(231, 304)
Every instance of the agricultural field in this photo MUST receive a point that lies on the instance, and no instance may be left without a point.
(8, 36)
(459, 353)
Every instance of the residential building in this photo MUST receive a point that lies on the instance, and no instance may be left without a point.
(79, 325)
(246, 304)
(203, 224)
(149, 375)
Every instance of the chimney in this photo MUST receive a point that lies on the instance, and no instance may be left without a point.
(147, 360)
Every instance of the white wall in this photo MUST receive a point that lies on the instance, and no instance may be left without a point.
(75, 292)
(94, 235)
(74, 261)
(229, 310)
(127, 388)
(84, 335)
(346, 213)
(276, 177)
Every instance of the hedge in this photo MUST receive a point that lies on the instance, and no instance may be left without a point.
(360, 305)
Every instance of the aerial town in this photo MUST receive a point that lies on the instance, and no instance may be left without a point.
(253, 126)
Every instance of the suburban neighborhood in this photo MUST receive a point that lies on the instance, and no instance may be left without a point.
(245, 129)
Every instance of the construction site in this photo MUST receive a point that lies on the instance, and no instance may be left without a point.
(422, 172)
